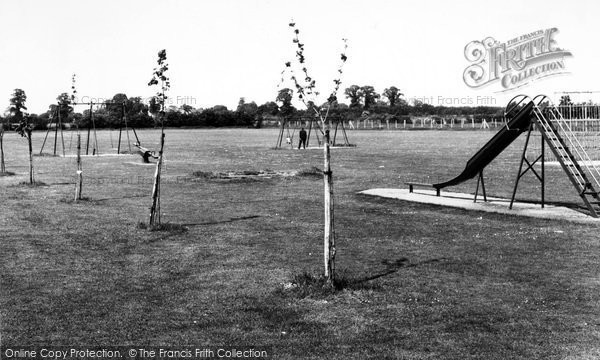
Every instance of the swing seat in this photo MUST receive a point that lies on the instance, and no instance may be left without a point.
(145, 153)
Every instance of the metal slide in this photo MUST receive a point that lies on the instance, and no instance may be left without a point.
(515, 127)
(572, 156)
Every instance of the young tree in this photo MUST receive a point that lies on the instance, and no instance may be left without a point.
(307, 93)
(24, 129)
(159, 76)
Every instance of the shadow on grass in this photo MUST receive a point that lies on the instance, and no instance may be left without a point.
(310, 173)
(167, 226)
(88, 200)
(223, 221)
(31, 185)
(310, 285)
(83, 200)
(123, 197)
(7, 173)
(61, 183)
(396, 265)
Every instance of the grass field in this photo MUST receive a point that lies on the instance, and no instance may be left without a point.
(421, 282)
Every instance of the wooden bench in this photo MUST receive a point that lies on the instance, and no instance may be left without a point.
(411, 186)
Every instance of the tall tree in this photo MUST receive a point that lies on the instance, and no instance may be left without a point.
(353, 93)
(369, 96)
(247, 108)
(65, 108)
(565, 100)
(269, 108)
(186, 108)
(284, 98)
(17, 105)
(393, 95)
(115, 109)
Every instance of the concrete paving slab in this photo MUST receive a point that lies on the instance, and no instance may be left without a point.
(494, 205)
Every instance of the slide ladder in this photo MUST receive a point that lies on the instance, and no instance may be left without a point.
(569, 152)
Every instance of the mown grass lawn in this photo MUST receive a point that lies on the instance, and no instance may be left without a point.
(422, 282)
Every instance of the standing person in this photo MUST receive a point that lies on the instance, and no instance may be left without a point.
(302, 139)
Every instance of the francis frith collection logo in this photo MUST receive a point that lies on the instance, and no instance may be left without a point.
(514, 63)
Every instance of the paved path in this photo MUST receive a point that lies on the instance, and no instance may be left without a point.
(495, 205)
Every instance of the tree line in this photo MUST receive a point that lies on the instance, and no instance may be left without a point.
(112, 113)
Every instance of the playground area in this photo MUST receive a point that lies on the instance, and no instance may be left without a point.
(421, 281)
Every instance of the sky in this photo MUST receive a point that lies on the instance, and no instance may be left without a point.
(220, 51)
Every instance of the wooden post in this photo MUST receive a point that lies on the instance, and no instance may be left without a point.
(62, 138)
(56, 130)
(47, 132)
(79, 184)
(96, 150)
(2, 166)
(155, 208)
(329, 237)
(87, 144)
(119, 142)
(28, 131)
(310, 121)
(281, 133)
(127, 128)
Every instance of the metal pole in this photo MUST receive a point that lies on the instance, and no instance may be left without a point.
(523, 155)
(543, 172)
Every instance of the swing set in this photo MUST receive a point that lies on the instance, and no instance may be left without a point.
(56, 123)
(288, 127)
